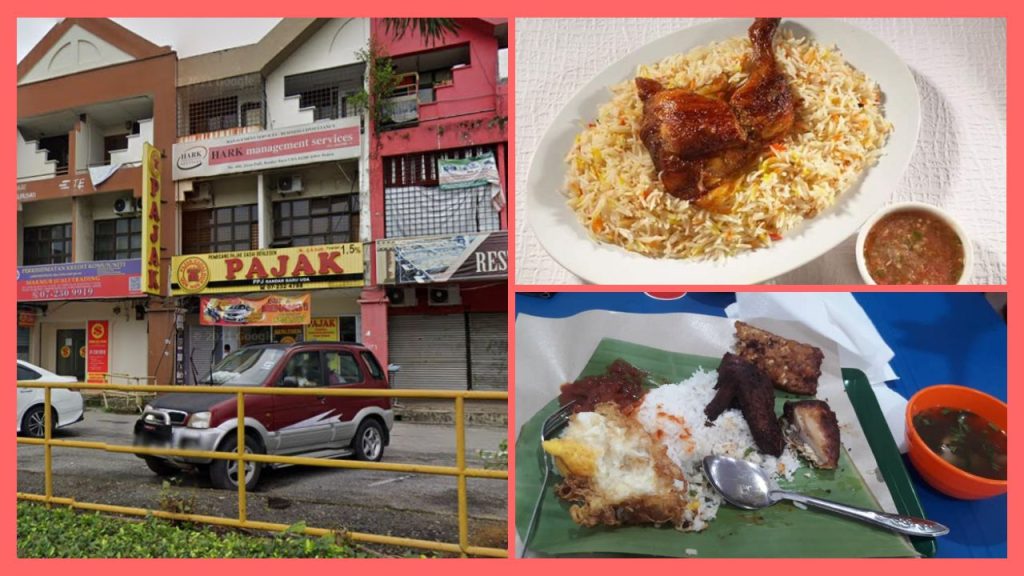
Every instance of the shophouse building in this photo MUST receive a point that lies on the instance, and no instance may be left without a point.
(90, 93)
(436, 303)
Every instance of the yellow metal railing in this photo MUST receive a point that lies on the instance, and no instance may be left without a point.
(460, 471)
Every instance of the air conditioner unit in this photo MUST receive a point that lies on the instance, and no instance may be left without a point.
(399, 297)
(289, 184)
(127, 206)
(444, 296)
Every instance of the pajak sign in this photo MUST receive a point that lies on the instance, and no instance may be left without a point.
(269, 311)
(306, 267)
(323, 329)
(323, 141)
(97, 355)
(151, 218)
(81, 280)
(425, 260)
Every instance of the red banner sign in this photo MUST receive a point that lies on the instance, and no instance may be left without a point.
(97, 361)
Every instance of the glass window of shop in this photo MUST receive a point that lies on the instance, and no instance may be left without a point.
(226, 229)
(24, 340)
(46, 244)
(316, 221)
(117, 239)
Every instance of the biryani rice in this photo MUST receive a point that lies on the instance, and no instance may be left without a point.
(613, 187)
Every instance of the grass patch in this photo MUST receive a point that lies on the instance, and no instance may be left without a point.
(61, 532)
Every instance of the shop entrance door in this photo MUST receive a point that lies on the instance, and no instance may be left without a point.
(71, 353)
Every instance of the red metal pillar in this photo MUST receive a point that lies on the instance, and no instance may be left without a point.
(373, 305)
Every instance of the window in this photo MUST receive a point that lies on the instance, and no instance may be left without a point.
(349, 329)
(117, 239)
(252, 114)
(415, 205)
(342, 368)
(212, 115)
(305, 369)
(227, 229)
(371, 363)
(27, 373)
(316, 221)
(47, 244)
(24, 338)
(326, 92)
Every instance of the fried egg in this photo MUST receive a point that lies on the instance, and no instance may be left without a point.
(615, 473)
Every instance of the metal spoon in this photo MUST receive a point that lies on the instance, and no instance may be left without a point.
(745, 485)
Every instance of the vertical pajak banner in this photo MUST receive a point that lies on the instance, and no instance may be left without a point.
(151, 219)
(97, 355)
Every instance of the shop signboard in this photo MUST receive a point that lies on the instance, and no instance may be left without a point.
(80, 280)
(273, 310)
(302, 268)
(323, 329)
(443, 259)
(151, 219)
(287, 334)
(97, 351)
(324, 141)
(26, 318)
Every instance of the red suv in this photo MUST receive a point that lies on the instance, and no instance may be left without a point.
(315, 426)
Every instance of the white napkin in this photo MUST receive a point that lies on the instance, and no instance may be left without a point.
(838, 317)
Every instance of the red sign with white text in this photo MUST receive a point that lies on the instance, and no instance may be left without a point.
(97, 355)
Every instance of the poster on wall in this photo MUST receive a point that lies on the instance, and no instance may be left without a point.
(274, 310)
(301, 268)
(97, 351)
(323, 329)
(151, 219)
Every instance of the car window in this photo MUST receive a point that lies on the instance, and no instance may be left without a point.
(27, 373)
(372, 364)
(305, 368)
(342, 368)
(245, 367)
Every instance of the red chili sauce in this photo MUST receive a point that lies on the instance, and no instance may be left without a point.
(622, 384)
(913, 247)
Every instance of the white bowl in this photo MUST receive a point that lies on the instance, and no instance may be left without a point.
(965, 277)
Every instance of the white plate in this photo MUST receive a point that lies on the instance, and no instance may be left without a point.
(562, 235)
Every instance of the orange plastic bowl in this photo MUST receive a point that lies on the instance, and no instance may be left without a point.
(942, 475)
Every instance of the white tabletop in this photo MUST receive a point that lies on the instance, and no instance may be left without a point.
(959, 163)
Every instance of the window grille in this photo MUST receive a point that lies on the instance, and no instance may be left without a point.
(221, 104)
(327, 92)
(415, 205)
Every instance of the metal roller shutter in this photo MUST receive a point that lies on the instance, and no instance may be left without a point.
(488, 351)
(430, 349)
(202, 341)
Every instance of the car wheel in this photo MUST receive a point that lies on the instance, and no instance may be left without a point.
(369, 441)
(161, 467)
(224, 474)
(33, 423)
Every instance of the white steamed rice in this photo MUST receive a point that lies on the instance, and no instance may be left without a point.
(614, 190)
(674, 413)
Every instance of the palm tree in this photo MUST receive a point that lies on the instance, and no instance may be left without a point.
(432, 30)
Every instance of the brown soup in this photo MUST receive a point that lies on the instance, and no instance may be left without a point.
(913, 247)
(965, 440)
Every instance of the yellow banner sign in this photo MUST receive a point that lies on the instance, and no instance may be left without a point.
(323, 330)
(302, 268)
(151, 219)
(269, 311)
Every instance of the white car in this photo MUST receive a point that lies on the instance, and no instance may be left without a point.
(68, 407)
